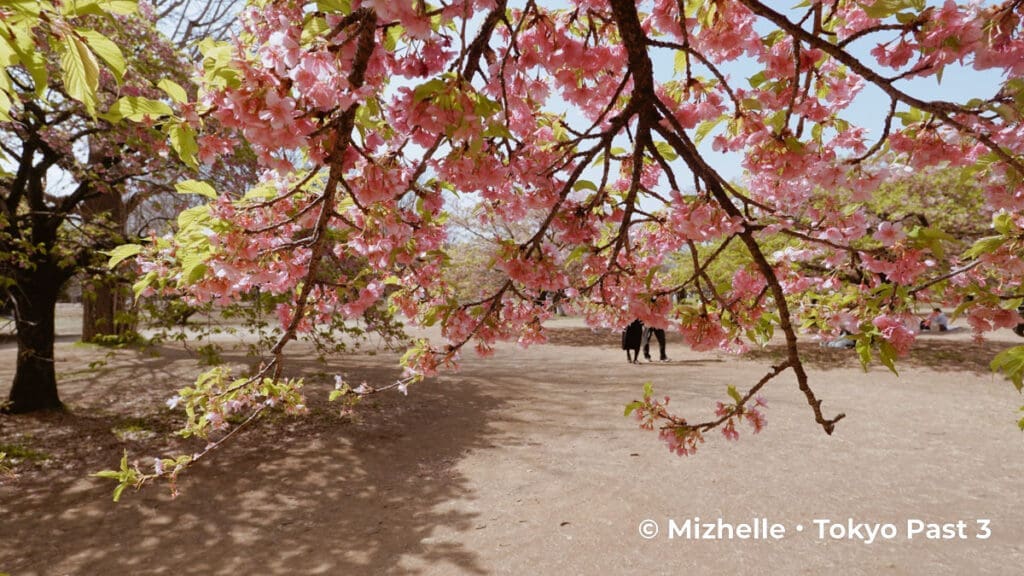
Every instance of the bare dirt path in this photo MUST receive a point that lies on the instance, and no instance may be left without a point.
(523, 464)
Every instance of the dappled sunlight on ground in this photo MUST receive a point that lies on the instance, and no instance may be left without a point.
(519, 464)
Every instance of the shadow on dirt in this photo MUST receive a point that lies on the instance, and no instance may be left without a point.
(321, 494)
(934, 353)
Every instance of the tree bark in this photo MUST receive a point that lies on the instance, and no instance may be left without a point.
(35, 378)
(97, 309)
(102, 298)
(104, 309)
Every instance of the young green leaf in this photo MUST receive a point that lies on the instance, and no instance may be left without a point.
(196, 187)
(106, 49)
(80, 71)
(1011, 363)
(174, 90)
(122, 252)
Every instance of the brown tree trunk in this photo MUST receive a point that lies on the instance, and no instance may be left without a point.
(35, 378)
(102, 297)
(97, 309)
(104, 309)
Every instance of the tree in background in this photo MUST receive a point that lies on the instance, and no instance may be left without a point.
(187, 22)
(365, 113)
(944, 207)
(165, 50)
(77, 170)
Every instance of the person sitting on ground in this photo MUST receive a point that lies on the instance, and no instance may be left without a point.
(845, 340)
(936, 320)
(632, 336)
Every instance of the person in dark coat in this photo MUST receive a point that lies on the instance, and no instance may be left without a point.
(632, 339)
(658, 333)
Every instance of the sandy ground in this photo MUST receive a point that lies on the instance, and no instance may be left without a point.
(523, 464)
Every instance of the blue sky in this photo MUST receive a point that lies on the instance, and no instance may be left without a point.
(959, 84)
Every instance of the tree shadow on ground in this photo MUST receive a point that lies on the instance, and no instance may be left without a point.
(934, 353)
(320, 494)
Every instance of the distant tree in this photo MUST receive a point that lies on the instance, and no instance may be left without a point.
(77, 167)
(151, 203)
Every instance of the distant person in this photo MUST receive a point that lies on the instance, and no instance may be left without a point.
(632, 338)
(658, 333)
(845, 340)
(936, 320)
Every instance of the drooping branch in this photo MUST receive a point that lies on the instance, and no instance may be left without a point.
(645, 98)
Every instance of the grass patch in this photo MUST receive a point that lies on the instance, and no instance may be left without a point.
(19, 452)
(133, 429)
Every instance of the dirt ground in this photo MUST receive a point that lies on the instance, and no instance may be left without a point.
(523, 464)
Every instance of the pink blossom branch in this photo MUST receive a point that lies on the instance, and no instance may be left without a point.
(938, 108)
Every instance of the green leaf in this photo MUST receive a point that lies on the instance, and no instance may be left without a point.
(196, 187)
(497, 130)
(634, 405)
(137, 109)
(262, 192)
(734, 394)
(679, 63)
(395, 32)
(752, 104)
(774, 37)
(5, 109)
(120, 7)
(776, 121)
(20, 41)
(648, 389)
(139, 287)
(864, 351)
(8, 56)
(887, 354)
(117, 255)
(1011, 363)
(183, 140)
(217, 59)
(314, 27)
(342, 6)
(111, 474)
(193, 268)
(428, 89)
(705, 128)
(30, 7)
(985, 246)
(887, 8)
(195, 216)
(106, 49)
(931, 238)
(99, 7)
(666, 150)
(584, 185)
(912, 116)
(1003, 223)
(174, 90)
(1011, 304)
(80, 71)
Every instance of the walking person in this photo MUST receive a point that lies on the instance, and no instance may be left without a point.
(658, 333)
(632, 337)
